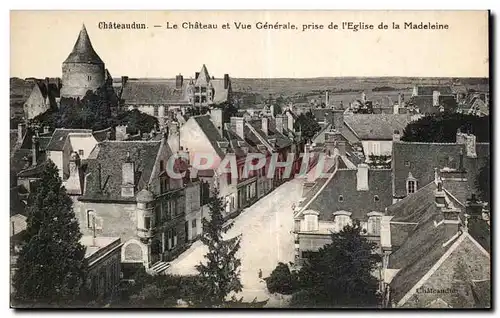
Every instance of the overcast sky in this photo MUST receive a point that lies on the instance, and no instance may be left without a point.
(41, 41)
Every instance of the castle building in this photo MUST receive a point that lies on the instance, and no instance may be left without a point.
(83, 70)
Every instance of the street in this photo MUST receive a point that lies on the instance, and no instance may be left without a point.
(267, 239)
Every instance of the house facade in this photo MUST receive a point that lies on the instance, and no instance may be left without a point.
(129, 194)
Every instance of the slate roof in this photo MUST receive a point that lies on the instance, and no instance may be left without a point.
(211, 132)
(421, 159)
(12, 139)
(481, 290)
(282, 141)
(154, 91)
(358, 202)
(376, 126)
(237, 143)
(60, 135)
(111, 155)
(83, 52)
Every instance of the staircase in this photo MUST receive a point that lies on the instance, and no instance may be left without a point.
(159, 268)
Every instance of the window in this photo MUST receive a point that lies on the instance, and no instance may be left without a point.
(203, 89)
(197, 99)
(376, 198)
(89, 78)
(80, 152)
(412, 186)
(341, 198)
(193, 223)
(162, 166)
(91, 218)
(341, 221)
(203, 99)
(164, 185)
(147, 222)
(197, 89)
(407, 163)
(374, 225)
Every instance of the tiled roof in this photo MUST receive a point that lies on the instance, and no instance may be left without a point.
(358, 202)
(376, 126)
(111, 155)
(429, 89)
(60, 135)
(83, 52)
(161, 91)
(421, 159)
(211, 132)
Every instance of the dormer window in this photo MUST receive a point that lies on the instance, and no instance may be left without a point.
(341, 220)
(341, 198)
(374, 220)
(407, 163)
(376, 198)
(311, 221)
(411, 184)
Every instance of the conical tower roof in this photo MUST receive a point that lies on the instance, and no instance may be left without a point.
(83, 52)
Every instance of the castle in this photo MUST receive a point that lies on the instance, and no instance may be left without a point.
(83, 70)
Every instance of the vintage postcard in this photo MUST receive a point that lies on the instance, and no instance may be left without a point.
(250, 159)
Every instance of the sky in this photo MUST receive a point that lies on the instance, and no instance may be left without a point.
(41, 41)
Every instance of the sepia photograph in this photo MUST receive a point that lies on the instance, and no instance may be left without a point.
(250, 159)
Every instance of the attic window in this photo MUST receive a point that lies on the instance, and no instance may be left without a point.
(341, 198)
(376, 198)
(407, 163)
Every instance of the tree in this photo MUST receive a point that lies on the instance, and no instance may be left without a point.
(51, 265)
(281, 280)
(443, 128)
(221, 274)
(341, 273)
(307, 124)
(136, 121)
(483, 182)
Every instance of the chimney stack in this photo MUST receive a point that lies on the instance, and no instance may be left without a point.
(439, 196)
(226, 81)
(435, 98)
(474, 207)
(178, 81)
(124, 80)
(46, 129)
(265, 125)
(279, 123)
(216, 115)
(35, 149)
(74, 183)
(128, 177)
(237, 125)
(341, 146)
(290, 120)
(362, 177)
(396, 136)
(327, 101)
(21, 132)
(196, 75)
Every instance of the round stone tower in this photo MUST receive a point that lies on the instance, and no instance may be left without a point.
(83, 70)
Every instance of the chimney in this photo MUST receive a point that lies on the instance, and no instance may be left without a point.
(284, 122)
(461, 161)
(99, 176)
(331, 140)
(400, 100)
(46, 84)
(35, 150)
(178, 81)
(341, 146)
(237, 125)
(435, 98)
(487, 99)
(362, 177)
(74, 183)
(265, 125)
(46, 129)
(460, 137)
(439, 196)
(226, 81)
(327, 101)
(338, 119)
(363, 97)
(279, 123)
(128, 177)
(396, 136)
(196, 75)
(124, 80)
(121, 133)
(271, 108)
(216, 115)
(470, 146)
(290, 120)
(21, 132)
